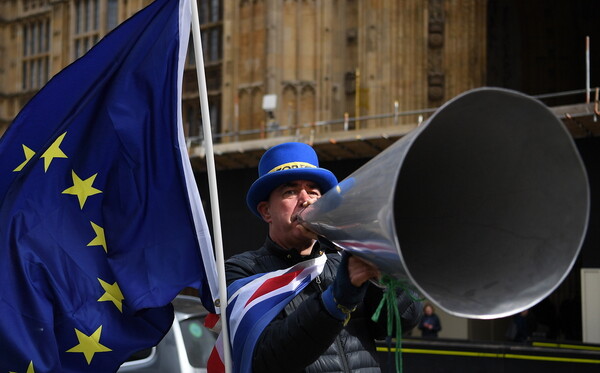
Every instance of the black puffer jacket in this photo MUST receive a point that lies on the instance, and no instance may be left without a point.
(304, 336)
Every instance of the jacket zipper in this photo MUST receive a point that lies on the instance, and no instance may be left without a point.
(338, 341)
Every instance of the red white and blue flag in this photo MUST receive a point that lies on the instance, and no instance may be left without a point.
(255, 301)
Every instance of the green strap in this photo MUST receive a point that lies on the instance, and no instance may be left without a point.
(393, 314)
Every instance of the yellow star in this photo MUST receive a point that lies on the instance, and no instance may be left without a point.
(53, 151)
(89, 345)
(112, 294)
(28, 155)
(82, 188)
(99, 240)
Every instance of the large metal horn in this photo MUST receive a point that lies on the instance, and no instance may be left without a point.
(483, 208)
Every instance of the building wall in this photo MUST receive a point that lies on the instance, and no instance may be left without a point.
(38, 38)
(326, 58)
(322, 58)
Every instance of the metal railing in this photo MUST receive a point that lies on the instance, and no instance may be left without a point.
(347, 123)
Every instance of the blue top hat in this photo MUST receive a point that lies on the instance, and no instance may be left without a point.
(284, 163)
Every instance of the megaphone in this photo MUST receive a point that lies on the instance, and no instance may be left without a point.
(483, 208)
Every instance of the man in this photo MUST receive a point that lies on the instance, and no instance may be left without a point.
(430, 324)
(327, 327)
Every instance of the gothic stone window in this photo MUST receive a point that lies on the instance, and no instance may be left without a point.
(36, 53)
(211, 30)
(92, 19)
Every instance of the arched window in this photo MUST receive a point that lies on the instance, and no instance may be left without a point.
(92, 19)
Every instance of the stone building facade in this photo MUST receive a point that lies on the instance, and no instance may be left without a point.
(38, 38)
(322, 59)
(318, 60)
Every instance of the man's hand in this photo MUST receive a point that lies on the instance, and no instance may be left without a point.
(307, 232)
(349, 287)
(360, 271)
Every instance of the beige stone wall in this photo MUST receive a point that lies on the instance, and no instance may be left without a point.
(308, 53)
(14, 16)
(60, 13)
(465, 46)
(322, 58)
(419, 53)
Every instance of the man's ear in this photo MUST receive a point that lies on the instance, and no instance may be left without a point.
(263, 210)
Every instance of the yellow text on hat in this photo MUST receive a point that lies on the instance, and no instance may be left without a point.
(290, 165)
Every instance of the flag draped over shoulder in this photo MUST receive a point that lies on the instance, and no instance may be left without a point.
(253, 303)
(101, 223)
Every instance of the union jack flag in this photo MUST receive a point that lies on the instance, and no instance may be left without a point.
(253, 302)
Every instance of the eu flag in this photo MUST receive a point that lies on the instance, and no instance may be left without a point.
(101, 223)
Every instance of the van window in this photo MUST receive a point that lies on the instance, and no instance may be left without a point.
(142, 354)
(199, 341)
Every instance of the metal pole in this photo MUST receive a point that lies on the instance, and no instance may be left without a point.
(212, 182)
(587, 69)
(357, 98)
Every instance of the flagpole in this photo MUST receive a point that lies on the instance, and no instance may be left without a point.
(212, 183)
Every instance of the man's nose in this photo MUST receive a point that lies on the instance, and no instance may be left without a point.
(303, 197)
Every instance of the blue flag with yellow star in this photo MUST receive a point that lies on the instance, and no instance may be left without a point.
(101, 223)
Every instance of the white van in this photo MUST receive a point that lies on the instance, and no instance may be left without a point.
(185, 348)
